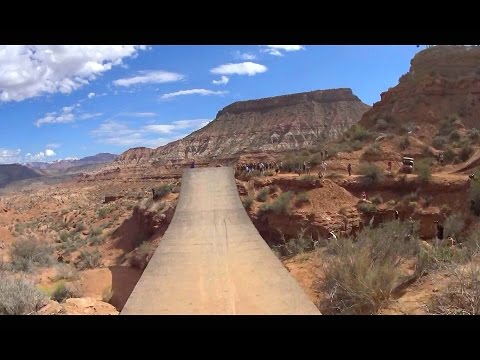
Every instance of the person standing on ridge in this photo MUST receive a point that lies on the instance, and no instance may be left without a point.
(193, 164)
(349, 168)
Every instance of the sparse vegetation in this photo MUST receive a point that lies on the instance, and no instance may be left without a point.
(19, 296)
(371, 172)
(465, 152)
(27, 254)
(360, 276)
(162, 190)
(141, 255)
(423, 169)
(372, 150)
(454, 225)
(96, 231)
(65, 272)
(366, 207)
(404, 142)
(377, 199)
(294, 246)
(302, 198)
(263, 194)
(247, 202)
(88, 260)
(439, 142)
(65, 291)
(103, 212)
(281, 205)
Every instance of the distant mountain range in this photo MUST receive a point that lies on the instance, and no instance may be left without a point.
(101, 158)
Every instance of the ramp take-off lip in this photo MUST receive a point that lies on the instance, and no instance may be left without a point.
(212, 260)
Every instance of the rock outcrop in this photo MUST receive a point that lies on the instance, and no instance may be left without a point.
(271, 124)
(443, 82)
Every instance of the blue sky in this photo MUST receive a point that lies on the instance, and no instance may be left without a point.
(60, 102)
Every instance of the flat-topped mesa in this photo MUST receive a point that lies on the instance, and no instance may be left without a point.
(266, 125)
(320, 96)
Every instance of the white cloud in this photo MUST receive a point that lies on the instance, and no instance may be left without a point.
(223, 80)
(276, 50)
(8, 156)
(28, 71)
(160, 128)
(118, 133)
(150, 77)
(66, 115)
(245, 68)
(49, 152)
(202, 92)
(53, 146)
(91, 95)
(244, 56)
(139, 114)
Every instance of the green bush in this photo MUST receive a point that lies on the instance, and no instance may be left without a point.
(439, 142)
(465, 152)
(103, 212)
(263, 194)
(88, 260)
(247, 202)
(454, 136)
(404, 142)
(423, 170)
(381, 124)
(360, 276)
(377, 200)
(372, 150)
(454, 225)
(96, 231)
(281, 205)
(295, 245)
(302, 198)
(27, 254)
(162, 190)
(474, 134)
(371, 172)
(19, 296)
(65, 291)
(366, 207)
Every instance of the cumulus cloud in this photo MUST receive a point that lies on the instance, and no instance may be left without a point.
(277, 50)
(53, 146)
(150, 77)
(246, 68)
(9, 156)
(68, 114)
(118, 133)
(28, 71)
(49, 152)
(203, 92)
(222, 81)
(91, 95)
(244, 56)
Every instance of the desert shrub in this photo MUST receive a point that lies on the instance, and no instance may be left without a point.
(371, 173)
(462, 296)
(307, 178)
(88, 259)
(96, 240)
(465, 152)
(103, 212)
(96, 231)
(263, 194)
(381, 124)
(360, 276)
(141, 255)
(281, 205)
(27, 254)
(377, 199)
(19, 296)
(449, 155)
(162, 190)
(79, 227)
(454, 225)
(64, 236)
(404, 142)
(373, 149)
(302, 198)
(268, 173)
(65, 291)
(247, 202)
(454, 136)
(65, 272)
(474, 195)
(366, 207)
(295, 245)
(357, 132)
(474, 134)
(423, 170)
(439, 142)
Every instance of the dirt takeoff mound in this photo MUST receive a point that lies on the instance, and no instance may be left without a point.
(212, 260)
